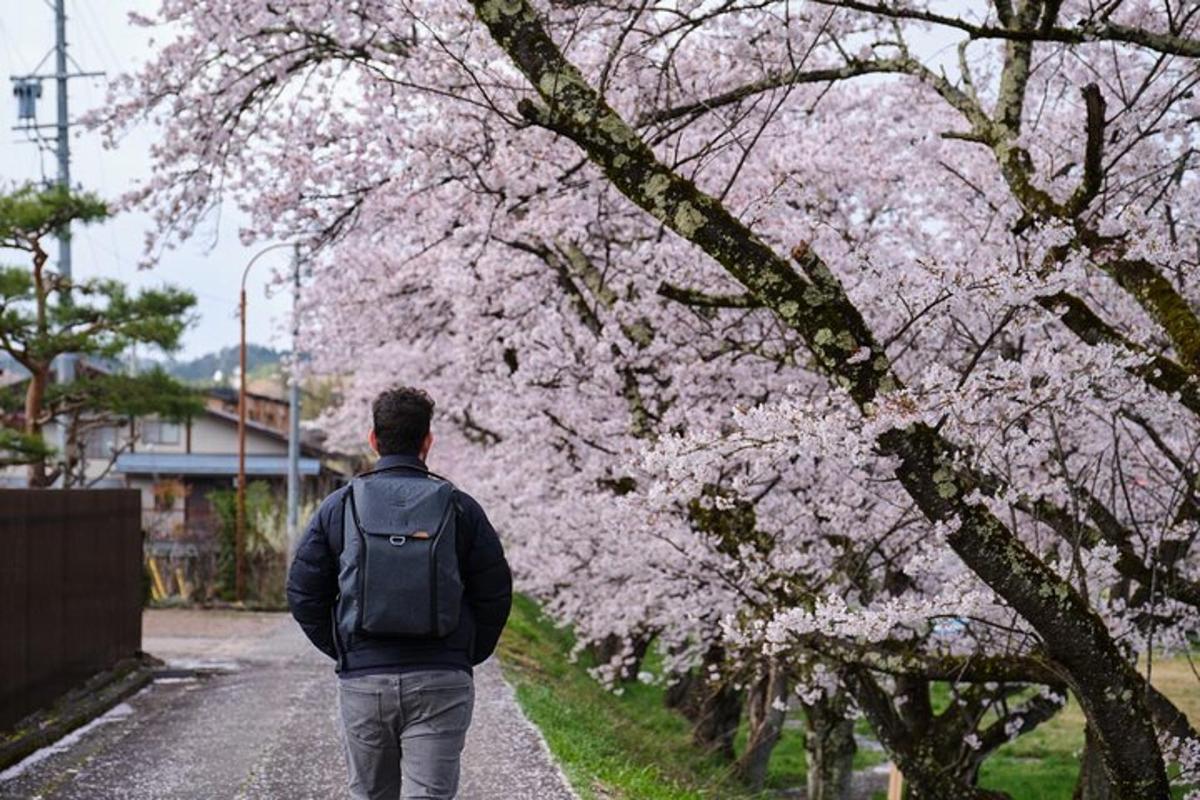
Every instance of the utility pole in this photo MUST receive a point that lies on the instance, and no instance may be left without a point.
(293, 474)
(28, 90)
(239, 541)
(66, 362)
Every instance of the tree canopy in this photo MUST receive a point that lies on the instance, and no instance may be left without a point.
(844, 347)
(44, 315)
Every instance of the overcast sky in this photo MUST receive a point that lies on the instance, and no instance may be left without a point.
(210, 264)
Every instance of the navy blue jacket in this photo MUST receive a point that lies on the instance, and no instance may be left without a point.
(312, 592)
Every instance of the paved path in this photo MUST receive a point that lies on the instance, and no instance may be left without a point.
(258, 722)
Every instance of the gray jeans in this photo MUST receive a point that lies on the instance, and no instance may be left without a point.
(404, 733)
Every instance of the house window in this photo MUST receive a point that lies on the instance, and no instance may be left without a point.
(100, 443)
(158, 431)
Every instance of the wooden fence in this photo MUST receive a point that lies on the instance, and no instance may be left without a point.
(70, 590)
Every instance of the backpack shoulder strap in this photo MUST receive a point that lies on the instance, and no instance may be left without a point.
(337, 541)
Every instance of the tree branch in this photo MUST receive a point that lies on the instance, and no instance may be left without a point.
(775, 80)
(1161, 372)
(1093, 167)
(697, 298)
(1146, 284)
(1086, 31)
(816, 306)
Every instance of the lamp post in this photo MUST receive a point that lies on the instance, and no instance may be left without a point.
(239, 543)
(293, 475)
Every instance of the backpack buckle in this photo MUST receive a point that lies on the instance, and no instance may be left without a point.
(397, 541)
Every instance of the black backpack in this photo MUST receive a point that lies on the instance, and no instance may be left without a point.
(398, 574)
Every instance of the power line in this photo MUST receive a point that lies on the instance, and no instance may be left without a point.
(28, 91)
(94, 30)
(66, 365)
(6, 47)
(102, 50)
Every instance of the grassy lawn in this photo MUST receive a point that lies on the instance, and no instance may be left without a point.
(631, 747)
(1042, 765)
(626, 746)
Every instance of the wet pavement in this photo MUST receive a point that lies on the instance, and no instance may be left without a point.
(250, 713)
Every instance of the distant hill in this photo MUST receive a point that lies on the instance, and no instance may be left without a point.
(259, 359)
(263, 363)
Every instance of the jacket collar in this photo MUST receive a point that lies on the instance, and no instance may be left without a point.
(388, 461)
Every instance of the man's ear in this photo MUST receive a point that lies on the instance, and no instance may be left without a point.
(371, 440)
(426, 444)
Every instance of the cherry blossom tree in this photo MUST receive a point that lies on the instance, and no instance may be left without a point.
(937, 265)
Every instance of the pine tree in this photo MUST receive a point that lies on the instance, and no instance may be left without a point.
(44, 315)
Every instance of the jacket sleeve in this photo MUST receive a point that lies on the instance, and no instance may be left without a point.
(487, 581)
(312, 585)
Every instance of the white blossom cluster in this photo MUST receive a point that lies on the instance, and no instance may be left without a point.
(664, 456)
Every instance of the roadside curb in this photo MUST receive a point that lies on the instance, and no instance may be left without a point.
(76, 708)
(553, 760)
(256, 607)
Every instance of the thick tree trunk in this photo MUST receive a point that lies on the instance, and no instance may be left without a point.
(35, 397)
(1110, 690)
(72, 455)
(829, 747)
(613, 646)
(766, 710)
(687, 694)
(680, 695)
(815, 304)
(1093, 783)
(929, 786)
(926, 776)
(717, 718)
(717, 705)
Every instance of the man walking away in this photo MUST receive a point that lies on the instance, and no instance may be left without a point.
(401, 578)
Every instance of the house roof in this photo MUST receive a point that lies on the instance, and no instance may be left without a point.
(228, 394)
(208, 464)
(310, 441)
(265, 430)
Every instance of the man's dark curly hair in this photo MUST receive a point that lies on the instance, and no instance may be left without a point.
(401, 420)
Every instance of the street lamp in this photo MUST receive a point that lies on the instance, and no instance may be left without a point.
(293, 473)
(240, 531)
